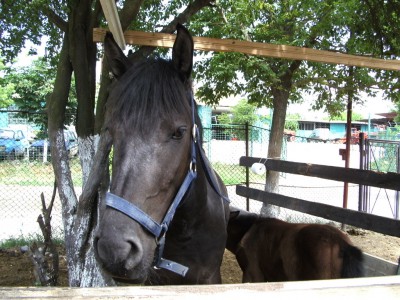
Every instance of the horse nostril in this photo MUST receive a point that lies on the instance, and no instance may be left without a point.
(116, 253)
(135, 255)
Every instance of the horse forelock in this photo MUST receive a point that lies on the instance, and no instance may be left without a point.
(149, 91)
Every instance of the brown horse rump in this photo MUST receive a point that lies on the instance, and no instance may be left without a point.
(269, 249)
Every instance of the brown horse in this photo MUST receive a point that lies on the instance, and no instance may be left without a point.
(269, 249)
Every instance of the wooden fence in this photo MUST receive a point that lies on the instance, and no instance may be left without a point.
(358, 219)
(387, 288)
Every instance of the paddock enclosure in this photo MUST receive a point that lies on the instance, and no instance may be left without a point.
(387, 287)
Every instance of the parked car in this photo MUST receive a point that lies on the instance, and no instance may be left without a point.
(13, 144)
(36, 150)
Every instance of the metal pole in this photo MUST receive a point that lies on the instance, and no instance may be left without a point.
(361, 187)
(347, 154)
(247, 168)
(396, 203)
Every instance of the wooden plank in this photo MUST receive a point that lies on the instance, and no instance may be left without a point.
(254, 48)
(342, 215)
(376, 266)
(387, 287)
(365, 177)
(111, 14)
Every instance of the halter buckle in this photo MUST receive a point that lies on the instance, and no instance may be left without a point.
(194, 132)
(192, 166)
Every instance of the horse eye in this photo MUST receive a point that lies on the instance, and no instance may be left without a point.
(179, 132)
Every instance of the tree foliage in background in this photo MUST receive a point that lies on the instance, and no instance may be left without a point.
(343, 117)
(241, 113)
(291, 122)
(6, 88)
(31, 87)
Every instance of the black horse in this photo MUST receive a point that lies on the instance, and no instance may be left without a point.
(166, 213)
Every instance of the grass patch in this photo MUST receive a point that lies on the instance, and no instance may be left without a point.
(37, 173)
(34, 173)
(235, 174)
(15, 242)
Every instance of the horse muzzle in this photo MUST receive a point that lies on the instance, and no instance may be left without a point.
(122, 257)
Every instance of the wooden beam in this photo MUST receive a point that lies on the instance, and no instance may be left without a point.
(387, 287)
(253, 48)
(376, 266)
(342, 215)
(111, 14)
(365, 177)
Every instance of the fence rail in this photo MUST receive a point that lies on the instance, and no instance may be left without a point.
(338, 214)
(356, 288)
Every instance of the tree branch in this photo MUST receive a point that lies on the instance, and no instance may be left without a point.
(46, 266)
(129, 12)
(55, 19)
(182, 18)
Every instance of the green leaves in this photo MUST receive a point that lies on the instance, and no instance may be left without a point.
(337, 25)
(29, 88)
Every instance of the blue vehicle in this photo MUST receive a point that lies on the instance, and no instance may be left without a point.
(13, 144)
(37, 149)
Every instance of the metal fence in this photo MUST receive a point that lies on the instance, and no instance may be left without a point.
(381, 156)
(225, 144)
(22, 181)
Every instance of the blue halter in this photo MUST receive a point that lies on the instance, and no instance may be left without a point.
(159, 230)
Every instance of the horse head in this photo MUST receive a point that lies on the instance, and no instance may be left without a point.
(150, 118)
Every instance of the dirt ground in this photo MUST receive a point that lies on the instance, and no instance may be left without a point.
(16, 268)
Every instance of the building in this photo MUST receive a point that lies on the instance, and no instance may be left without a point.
(337, 129)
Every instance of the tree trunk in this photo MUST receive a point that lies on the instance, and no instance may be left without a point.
(280, 102)
(280, 93)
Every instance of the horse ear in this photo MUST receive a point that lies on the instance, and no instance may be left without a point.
(116, 59)
(182, 52)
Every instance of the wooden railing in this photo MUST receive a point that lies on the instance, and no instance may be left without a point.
(346, 216)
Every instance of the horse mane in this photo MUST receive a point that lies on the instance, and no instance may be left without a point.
(151, 90)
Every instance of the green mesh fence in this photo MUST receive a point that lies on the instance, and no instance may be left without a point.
(23, 179)
(22, 182)
(224, 145)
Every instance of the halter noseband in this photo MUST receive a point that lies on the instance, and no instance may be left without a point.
(159, 229)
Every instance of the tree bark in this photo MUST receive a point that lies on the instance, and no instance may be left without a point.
(280, 93)
(280, 102)
(56, 113)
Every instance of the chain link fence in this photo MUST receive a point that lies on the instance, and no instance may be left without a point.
(381, 156)
(22, 182)
(24, 179)
(224, 145)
